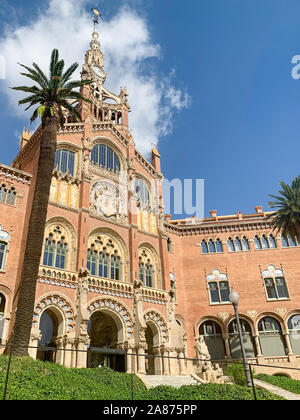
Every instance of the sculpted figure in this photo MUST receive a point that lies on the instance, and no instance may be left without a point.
(202, 350)
(219, 374)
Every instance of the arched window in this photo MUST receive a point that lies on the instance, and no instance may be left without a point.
(211, 246)
(218, 287)
(272, 242)
(294, 330)
(245, 244)
(104, 156)
(104, 258)
(142, 191)
(230, 245)
(238, 244)
(219, 245)
(3, 193)
(270, 336)
(275, 284)
(2, 312)
(11, 196)
(257, 243)
(264, 242)
(169, 242)
(149, 268)
(213, 338)
(65, 161)
(204, 247)
(234, 341)
(3, 249)
(55, 251)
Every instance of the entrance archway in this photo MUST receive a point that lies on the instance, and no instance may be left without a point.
(51, 327)
(153, 362)
(105, 331)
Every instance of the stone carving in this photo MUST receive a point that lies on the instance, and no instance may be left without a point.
(282, 312)
(106, 200)
(223, 316)
(206, 371)
(252, 314)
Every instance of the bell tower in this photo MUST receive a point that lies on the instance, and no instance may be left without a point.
(105, 106)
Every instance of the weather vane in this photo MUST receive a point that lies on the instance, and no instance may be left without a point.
(96, 16)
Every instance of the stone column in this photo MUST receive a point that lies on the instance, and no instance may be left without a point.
(60, 351)
(173, 363)
(257, 345)
(165, 361)
(288, 344)
(68, 344)
(130, 358)
(81, 359)
(33, 344)
(157, 361)
(141, 360)
(227, 346)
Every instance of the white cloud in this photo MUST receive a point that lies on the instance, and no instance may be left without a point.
(126, 43)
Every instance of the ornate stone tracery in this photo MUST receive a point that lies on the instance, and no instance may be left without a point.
(161, 324)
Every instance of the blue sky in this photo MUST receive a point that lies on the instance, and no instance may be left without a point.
(233, 58)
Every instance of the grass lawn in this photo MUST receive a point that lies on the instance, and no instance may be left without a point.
(35, 380)
(284, 382)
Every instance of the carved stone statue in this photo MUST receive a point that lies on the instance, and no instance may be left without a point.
(202, 350)
(206, 371)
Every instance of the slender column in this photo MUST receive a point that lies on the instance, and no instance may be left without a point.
(166, 362)
(227, 346)
(157, 361)
(34, 341)
(257, 345)
(5, 330)
(59, 352)
(288, 344)
(82, 353)
(68, 352)
(141, 360)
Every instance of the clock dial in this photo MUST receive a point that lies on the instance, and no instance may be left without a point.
(98, 71)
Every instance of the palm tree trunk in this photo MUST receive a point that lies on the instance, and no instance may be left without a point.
(35, 238)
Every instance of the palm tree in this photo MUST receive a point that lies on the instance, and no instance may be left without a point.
(53, 96)
(287, 217)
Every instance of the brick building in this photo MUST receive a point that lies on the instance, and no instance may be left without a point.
(116, 273)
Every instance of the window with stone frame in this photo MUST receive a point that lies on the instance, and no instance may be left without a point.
(65, 161)
(3, 192)
(213, 246)
(104, 258)
(55, 250)
(105, 157)
(238, 245)
(289, 242)
(218, 288)
(3, 250)
(149, 268)
(275, 284)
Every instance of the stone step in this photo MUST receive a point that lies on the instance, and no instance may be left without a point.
(153, 381)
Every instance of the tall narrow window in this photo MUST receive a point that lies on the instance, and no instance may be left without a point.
(2, 193)
(275, 284)
(272, 242)
(49, 251)
(149, 275)
(219, 245)
(115, 268)
(103, 265)
(65, 161)
(257, 243)
(245, 243)
(265, 243)
(142, 191)
(214, 292)
(284, 241)
(92, 261)
(211, 246)
(3, 247)
(61, 254)
(204, 247)
(142, 271)
(218, 287)
(230, 245)
(238, 244)
(11, 197)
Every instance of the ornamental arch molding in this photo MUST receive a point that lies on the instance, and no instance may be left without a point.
(274, 315)
(147, 253)
(154, 317)
(243, 317)
(112, 144)
(68, 231)
(60, 305)
(118, 311)
(215, 319)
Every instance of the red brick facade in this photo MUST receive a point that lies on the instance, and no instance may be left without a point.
(172, 249)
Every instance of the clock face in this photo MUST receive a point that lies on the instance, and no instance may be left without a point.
(98, 71)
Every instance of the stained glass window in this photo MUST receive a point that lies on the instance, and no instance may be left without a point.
(104, 156)
(65, 161)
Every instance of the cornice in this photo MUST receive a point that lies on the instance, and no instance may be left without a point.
(15, 174)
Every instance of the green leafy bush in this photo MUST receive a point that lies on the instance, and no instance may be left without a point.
(284, 382)
(237, 373)
(35, 380)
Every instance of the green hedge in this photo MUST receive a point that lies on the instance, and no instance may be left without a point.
(35, 380)
(284, 382)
